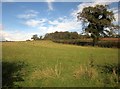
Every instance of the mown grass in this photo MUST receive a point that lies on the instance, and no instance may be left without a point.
(51, 64)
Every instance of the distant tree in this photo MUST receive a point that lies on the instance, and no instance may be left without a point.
(28, 40)
(61, 35)
(35, 37)
(98, 19)
(40, 38)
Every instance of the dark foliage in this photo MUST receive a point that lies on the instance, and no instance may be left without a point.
(11, 73)
(99, 18)
(35, 37)
(105, 44)
(109, 68)
(61, 35)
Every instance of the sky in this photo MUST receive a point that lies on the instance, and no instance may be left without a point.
(21, 20)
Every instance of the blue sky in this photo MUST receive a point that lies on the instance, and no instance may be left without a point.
(21, 20)
(11, 11)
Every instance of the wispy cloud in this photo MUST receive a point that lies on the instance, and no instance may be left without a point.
(62, 24)
(50, 5)
(84, 4)
(28, 14)
(115, 11)
(35, 22)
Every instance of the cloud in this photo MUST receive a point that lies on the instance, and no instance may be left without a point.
(115, 11)
(116, 18)
(1, 33)
(35, 22)
(42, 30)
(64, 25)
(72, 26)
(60, 24)
(55, 22)
(84, 4)
(19, 34)
(28, 14)
(50, 5)
(16, 35)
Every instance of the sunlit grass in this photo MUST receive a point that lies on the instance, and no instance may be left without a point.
(51, 64)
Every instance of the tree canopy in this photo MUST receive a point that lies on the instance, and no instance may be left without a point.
(99, 20)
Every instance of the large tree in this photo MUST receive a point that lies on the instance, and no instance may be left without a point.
(97, 21)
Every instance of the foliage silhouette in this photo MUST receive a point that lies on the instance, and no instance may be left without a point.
(11, 73)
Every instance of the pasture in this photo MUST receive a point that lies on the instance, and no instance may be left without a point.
(49, 64)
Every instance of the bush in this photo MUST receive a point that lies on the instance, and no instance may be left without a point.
(108, 44)
(105, 44)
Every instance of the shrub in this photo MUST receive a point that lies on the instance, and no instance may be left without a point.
(105, 44)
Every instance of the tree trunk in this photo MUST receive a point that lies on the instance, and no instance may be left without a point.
(95, 40)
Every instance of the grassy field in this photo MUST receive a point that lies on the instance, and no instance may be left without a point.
(48, 64)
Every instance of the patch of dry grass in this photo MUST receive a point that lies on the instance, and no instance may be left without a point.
(47, 72)
(85, 72)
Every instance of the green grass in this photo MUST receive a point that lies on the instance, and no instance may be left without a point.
(59, 65)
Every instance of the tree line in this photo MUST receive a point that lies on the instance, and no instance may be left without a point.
(60, 35)
(68, 35)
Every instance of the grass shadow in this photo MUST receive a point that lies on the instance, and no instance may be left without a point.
(11, 73)
(110, 68)
(111, 72)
